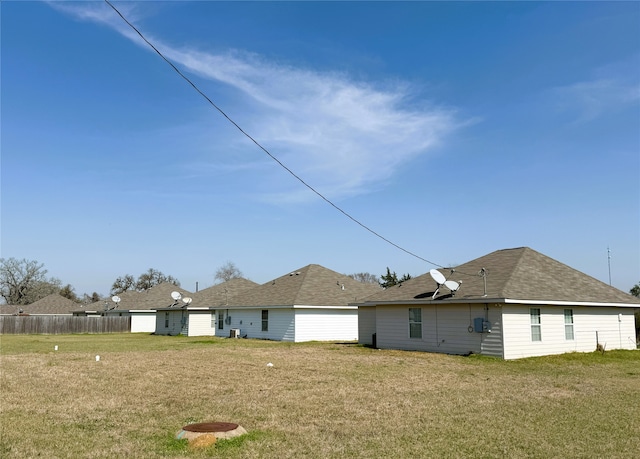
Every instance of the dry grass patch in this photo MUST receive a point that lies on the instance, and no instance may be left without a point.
(317, 401)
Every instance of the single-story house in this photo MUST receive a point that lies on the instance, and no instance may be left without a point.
(53, 304)
(196, 317)
(308, 304)
(139, 306)
(511, 303)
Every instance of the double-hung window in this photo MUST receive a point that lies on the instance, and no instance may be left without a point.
(265, 320)
(536, 325)
(568, 324)
(220, 320)
(415, 323)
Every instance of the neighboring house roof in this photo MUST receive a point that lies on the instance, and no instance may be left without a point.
(158, 296)
(50, 304)
(516, 274)
(220, 294)
(313, 285)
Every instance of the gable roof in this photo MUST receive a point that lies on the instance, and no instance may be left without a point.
(515, 274)
(158, 296)
(50, 304)
(219, 294)
(313, 285)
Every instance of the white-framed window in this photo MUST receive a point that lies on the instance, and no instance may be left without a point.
(220, 320)
(536, 324)
(213, 319)
(415, 322)
(568, 324)
(265, 320)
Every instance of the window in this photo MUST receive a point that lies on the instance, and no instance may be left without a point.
(220, 320)
(213, 319)
(415, 323)
(265, 320)
(536, 330)
(166, 319)
(568, 324)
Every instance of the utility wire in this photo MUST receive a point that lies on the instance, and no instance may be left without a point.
(327, 200)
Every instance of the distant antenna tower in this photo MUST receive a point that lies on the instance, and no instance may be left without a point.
(609, 261)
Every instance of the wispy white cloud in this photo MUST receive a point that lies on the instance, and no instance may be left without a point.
(342, 136)
(612, 88)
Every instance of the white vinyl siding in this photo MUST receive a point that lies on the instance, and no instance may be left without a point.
(366, 325)
(249, 322)
(445, 328)
(588, 321)
(200, 324)
(144, 322)
(326, 324)
(174, 319)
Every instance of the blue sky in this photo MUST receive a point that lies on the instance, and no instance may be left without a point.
(452, 129)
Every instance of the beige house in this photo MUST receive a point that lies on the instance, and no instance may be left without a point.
(511, 303)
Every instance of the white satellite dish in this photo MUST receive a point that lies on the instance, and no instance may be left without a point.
(437, 276)
(452, 285)
(187, 300)
(176, 295)
(115, 299)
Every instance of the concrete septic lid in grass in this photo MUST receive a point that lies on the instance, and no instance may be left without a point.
(219, 430)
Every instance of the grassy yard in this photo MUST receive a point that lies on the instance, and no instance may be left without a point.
(318, 400)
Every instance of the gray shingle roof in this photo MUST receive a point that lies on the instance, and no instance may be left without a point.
(158, 296)
(220, 294)
(517, 274)
(50, 304)
(313, 285)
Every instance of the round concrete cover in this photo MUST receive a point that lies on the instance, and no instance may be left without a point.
(211, 427)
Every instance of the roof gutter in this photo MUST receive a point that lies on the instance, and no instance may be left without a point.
(495, 300)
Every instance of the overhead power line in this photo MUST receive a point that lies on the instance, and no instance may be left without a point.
(327, 200)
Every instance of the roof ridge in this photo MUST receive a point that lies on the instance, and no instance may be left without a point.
(516, 267)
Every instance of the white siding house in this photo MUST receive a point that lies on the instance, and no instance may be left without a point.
(200, 317)
(512, 303)
(308, 304)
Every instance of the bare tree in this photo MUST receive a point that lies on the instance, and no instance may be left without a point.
(227, 272)
(365, 278)
(25, 281)
(68, 292)
(144, 282)
(93, 298)
(122, 284)
(152, 278)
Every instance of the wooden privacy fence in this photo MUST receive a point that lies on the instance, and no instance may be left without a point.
(56, 325)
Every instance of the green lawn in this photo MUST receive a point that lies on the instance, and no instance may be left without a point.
(318, 400)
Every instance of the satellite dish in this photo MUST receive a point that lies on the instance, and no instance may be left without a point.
(187, 300)
(176, 295)
(115, 299)
(437, 276)
(452, 285)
